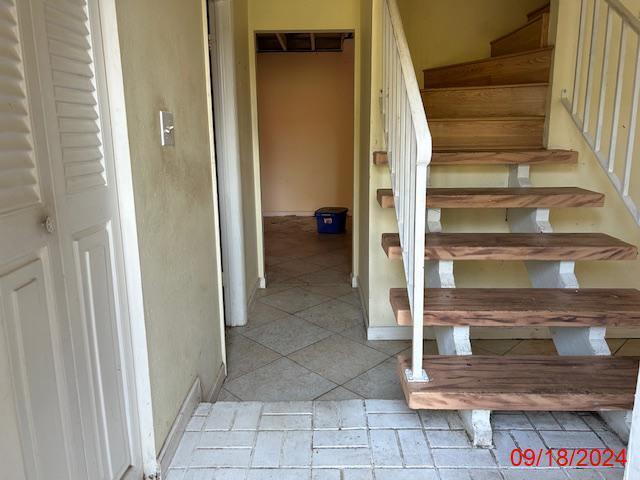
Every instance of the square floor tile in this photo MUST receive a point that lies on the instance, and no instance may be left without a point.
(326, 277)
(280, 380)
(288, 335)
(380, 382)
(245, 355)
(333, 315)
(338, 359)
(534, 347)
(358, 334)
(333, 291)
(299, 266)
(339, 393)
(294, 300)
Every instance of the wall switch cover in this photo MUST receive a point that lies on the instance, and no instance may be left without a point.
(167, 129)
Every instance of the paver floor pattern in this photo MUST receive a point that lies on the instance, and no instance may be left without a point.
(373, 439)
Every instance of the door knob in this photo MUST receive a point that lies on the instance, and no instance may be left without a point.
(49, 224)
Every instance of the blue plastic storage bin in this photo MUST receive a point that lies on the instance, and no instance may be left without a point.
(331, 219)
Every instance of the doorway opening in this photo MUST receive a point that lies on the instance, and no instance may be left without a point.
(305, 99)
(306, 337)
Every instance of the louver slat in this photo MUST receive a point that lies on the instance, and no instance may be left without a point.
(18, 175)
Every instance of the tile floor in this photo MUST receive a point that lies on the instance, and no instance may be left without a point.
(306, 340)
(367, 439)
(292, 406)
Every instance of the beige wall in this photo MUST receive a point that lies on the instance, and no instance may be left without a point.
(173, 194)
(305, 117)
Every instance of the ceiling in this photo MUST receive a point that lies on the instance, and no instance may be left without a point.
(296, 42)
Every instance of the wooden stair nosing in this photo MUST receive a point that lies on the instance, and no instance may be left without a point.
(524, 100)
(556, 383)
(522, 307)
(533, 66)
(517, 246)
(534, 197)
(512, 157)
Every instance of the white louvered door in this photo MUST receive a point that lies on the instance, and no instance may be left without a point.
(37, 398)
(77, 119)
(74, 275)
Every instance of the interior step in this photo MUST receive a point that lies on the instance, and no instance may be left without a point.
(486, 101)
(517, 246)
(533, 35)
(526, 67)
(467, 382)
(522, 307)
(490, 133)
(532, 157)
(539, 12)
(537, 197)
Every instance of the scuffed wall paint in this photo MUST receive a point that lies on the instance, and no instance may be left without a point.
(174, 198)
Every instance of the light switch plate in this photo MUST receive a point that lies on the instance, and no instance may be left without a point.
(167, 129)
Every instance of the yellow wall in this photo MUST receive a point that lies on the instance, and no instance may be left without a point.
(364, 157)
(442, 32)
(304, 15)
(305, 116)
(174, 198)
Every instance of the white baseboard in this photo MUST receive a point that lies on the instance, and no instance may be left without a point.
(288, 214)
(297, 213)
(168, 450)
(404, 333)
(212, 395)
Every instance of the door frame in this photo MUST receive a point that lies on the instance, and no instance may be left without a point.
(255, 133)
(222, 85)
(127, 216)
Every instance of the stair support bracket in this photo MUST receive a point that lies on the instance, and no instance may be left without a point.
(456, 340)
(561, 274)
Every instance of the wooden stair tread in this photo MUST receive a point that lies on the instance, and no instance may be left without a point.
(535, 197)
(559, 383)
(526, 307)
(517, 246)
(486, 101)
(533, 66)
(516, 157)
(491, 133)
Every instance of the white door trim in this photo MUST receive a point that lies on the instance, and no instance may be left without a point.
(633, 467)
(127, 213)
(225, 104)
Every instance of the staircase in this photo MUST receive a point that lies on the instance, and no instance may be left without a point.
(493, 112)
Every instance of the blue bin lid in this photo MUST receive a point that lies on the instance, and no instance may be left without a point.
(331, 210)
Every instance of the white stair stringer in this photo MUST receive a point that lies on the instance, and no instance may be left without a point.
(456, 340)
(561, 274)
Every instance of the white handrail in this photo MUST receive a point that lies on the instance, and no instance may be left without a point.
(409, 153)
(590, 93)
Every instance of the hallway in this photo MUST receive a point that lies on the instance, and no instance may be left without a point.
(306, 337)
